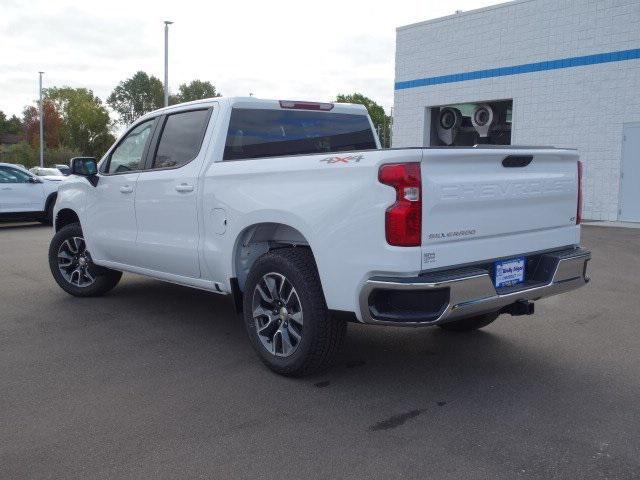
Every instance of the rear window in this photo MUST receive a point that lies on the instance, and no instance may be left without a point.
(256, 133)
(181, 138)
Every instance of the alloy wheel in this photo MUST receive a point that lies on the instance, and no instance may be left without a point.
(277, 314)
(74, 262)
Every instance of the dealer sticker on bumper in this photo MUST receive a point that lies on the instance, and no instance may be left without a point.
(509, 272)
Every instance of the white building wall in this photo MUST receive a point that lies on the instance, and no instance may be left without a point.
(580, 107)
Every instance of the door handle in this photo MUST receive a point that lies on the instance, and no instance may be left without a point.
(6, 188)
(184, 188)
(126, 189)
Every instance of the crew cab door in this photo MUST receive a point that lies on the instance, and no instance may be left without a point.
(110, 210)
(166, 201)
(20, 191)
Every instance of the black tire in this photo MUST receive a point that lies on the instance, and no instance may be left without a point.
(471, 323)
(105, 279)
(47, 219)
(321, 335)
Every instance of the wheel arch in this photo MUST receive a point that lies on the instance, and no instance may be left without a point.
(65, 216)
(256, 240)
(51, 200)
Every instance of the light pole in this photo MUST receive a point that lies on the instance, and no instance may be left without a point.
(166, 62)
(41, 123)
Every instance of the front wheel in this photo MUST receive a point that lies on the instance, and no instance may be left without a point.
(72, 268)
(286, 315)
(471, 323)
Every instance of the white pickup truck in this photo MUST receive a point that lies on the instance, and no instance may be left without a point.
(294, 210)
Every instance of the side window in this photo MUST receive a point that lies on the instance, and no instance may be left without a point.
(181, 138)
(12, 175)
(127, 156)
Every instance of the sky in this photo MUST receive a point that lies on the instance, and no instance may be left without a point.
(273, 49)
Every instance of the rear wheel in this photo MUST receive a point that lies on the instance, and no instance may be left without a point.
(471, 323)
(72, 268)
(286, 315)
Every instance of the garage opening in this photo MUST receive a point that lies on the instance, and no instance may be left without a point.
(472, 123)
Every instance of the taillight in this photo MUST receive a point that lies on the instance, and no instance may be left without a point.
(403, 219)
(579, 208)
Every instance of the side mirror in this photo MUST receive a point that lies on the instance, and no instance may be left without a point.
(85, 167)
(34, 180)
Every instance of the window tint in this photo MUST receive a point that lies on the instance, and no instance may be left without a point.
(255, 133)
(128, 155)
(13, 175)
(181, 138)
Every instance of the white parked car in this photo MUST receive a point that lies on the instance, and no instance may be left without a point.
(48, 173)
(25, 196)
(294, 210)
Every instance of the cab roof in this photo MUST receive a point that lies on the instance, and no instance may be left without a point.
(263, 103)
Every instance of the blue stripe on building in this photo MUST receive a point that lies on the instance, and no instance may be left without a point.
(570, 62)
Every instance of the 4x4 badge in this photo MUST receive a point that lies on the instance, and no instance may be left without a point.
(345, 159)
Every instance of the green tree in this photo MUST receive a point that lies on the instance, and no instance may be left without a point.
(196, 90)
(380, 119)
(136, 96)
(11, 125)
(28, 155)
(21, 153)
(85, 120)
(60, 155)
(14, 125)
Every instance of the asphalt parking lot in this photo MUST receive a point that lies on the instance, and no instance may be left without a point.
(159, 381)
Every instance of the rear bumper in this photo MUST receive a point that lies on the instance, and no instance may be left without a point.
(439, 297)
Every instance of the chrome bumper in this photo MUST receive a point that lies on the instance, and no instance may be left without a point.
(471, 290)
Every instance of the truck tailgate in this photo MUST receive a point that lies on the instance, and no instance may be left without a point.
(481, 204)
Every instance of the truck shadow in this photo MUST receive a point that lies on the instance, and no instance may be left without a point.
(425, 361)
